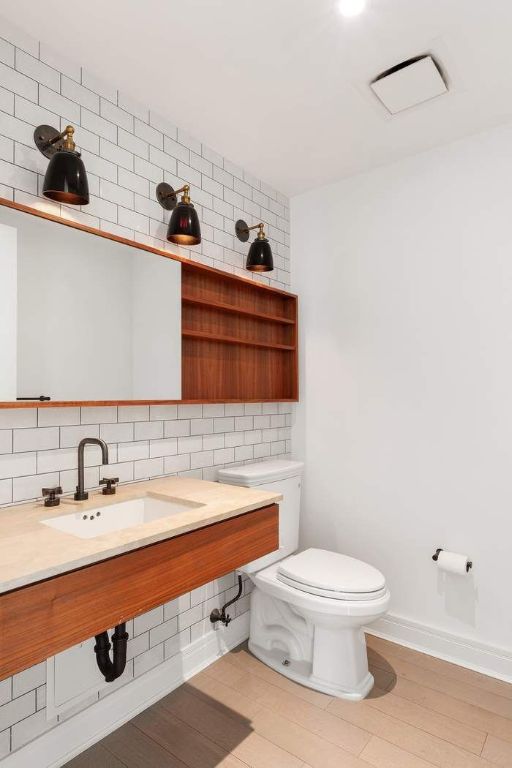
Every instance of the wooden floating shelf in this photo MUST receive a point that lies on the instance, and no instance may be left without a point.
(237, 310)
(236, 340)
(239, 338)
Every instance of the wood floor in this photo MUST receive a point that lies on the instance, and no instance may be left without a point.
(239, 714)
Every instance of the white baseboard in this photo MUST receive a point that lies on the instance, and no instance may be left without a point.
(489, 660)
(54, 748)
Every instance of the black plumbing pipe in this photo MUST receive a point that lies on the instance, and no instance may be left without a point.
(111, 669)
(221, 615)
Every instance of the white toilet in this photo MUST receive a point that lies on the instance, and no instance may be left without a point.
(308, 609)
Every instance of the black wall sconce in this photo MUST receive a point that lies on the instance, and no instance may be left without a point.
(183, 226)
(259, 258)
(65, 179)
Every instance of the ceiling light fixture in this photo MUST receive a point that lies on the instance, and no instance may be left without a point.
(65, 179)
(259, 258)
(183, 226)
(349, 8)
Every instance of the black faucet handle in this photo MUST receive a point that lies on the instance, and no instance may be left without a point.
(110, 485)
(53, 494)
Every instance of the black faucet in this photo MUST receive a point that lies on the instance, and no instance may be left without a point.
(81, 494)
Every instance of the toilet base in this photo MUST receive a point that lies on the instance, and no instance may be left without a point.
(316, 642)
(300, 672)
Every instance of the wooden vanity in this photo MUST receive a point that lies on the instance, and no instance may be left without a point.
(99, 582)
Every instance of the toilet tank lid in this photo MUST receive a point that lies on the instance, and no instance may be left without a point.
(260, 472)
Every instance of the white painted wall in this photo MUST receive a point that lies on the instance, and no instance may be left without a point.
(405, 275)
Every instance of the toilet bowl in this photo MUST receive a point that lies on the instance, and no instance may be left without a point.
(308, 609)
(317, 639)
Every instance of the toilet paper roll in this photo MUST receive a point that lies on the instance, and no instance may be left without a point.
(452, 562)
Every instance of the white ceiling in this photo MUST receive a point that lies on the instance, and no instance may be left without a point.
(280, 87)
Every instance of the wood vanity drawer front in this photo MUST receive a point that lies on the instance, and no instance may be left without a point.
(45, 618)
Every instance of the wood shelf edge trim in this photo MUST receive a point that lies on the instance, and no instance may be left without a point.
(235, 340)
(98, 403)
(196, 265)
(237, 310)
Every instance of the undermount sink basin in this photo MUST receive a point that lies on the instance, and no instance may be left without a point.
(87, 524)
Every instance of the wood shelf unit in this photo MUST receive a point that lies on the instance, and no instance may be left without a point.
(239, 338)
(236, 340)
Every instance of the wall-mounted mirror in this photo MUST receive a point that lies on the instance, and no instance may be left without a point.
(83, 317)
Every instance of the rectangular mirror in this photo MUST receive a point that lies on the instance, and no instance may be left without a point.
(83, 317)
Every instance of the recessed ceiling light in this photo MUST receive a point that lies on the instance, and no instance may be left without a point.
(350, 8)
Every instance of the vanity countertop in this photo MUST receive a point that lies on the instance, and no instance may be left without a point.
(31, 551)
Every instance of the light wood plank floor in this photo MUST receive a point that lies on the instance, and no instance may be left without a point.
(423, 712)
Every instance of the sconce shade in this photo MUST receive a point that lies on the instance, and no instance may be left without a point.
(184, 226)
(259, 258)
(65, 179)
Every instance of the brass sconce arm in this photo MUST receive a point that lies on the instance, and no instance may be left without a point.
(185, 189)
(242, 230)
(185, 198)
(48, 140)
(168, 197)
(261, 233)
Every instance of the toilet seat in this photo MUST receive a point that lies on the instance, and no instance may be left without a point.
(332, 575)
(270, 582)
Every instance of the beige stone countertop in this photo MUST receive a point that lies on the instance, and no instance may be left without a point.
(31, 551)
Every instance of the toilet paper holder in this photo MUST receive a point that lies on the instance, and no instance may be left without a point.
(435, 558)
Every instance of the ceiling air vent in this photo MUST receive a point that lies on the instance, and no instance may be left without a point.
(409, 83)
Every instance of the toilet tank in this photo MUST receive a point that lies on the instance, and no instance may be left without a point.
(279, 476)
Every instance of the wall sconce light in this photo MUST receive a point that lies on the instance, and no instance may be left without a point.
(183, 226)
(259, 258)
(65, 179)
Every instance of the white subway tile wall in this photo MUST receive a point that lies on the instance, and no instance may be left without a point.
(128, 150)
(39, 445)
(127, 153)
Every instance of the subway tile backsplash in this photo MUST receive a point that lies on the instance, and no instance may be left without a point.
(128, 149)
(32, 457)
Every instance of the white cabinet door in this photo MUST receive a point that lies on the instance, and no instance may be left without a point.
(73, 678)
